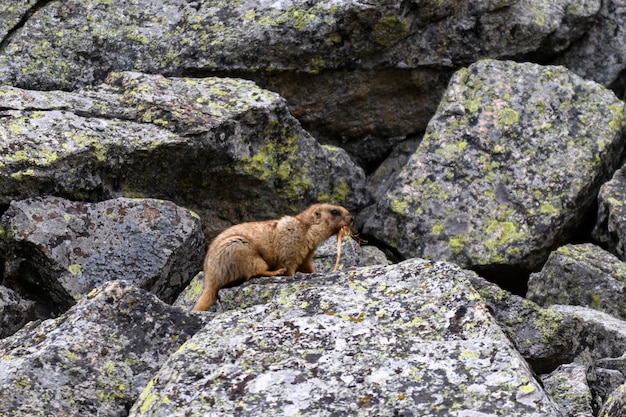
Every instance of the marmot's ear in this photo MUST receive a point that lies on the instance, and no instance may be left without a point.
(318, 214)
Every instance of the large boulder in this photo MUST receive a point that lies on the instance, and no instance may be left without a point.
(601, 342)
(68, 248)
(509, 166)
(93, 360)
(577, 351)
(568, 386)
(583, 275)
(349, 69)
(408, 339)
(223, 147)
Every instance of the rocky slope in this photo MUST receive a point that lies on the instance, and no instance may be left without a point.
(480, 135)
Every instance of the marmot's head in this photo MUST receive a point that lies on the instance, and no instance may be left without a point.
(327, 218)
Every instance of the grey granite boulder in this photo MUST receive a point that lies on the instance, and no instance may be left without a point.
(546, 339)
(15, 311)
(568, 386)
(601, 347)
(610, 226)
(508, 167)
(616, 405)
(601, 335)
(349, 69)
(68, 248)
(577, 351)
(95, 359)
(223, 147)
(584, 275)
(12, 12)
(407, 339)
(600, 54)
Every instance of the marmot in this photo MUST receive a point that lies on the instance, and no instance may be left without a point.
(268, 248)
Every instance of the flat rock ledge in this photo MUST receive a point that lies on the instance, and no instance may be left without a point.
(410, 339)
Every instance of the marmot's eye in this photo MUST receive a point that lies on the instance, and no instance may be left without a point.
(334, 212)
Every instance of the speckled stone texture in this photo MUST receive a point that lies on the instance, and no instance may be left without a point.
(568, 386)
(509, 165)
(408, 339)
(610, 226)
(94, 359)
(584, 275)
(600, 54)
(68, 248)
(15, 311)
(349, 69)
(223, 147)
(544, 338)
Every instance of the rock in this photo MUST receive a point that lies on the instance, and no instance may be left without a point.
(222, 147)
(610, 228)
(12, 12)
(545, 338)
(15, 311)
(610, 373)
(95, 358)
(568, 386)
(600, 54)
(381, 179)
(560, 340)
(68, 248)
(352, 254)
(508, 167)
(601, 336)
(616, 404)
(583, 275)
(407, 339)
(248, 294)
(384, 64)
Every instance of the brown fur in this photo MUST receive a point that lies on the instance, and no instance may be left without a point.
(268, 248)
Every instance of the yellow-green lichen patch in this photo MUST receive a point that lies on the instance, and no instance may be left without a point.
(547, 208)
(457, 243)
(437, 228)
(74, 269)
(277, 160)
(451, 151)
(399, 207)
(391, 29)
(507, 117)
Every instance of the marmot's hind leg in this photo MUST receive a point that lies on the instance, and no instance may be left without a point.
(262, 269)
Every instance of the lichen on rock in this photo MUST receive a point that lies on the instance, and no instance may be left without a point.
(68, 248)
(94, 359)
(413, 337)
(583, 275)
(186, 140)
(508, 167)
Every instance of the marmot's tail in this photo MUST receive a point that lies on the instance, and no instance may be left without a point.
(206, 300)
